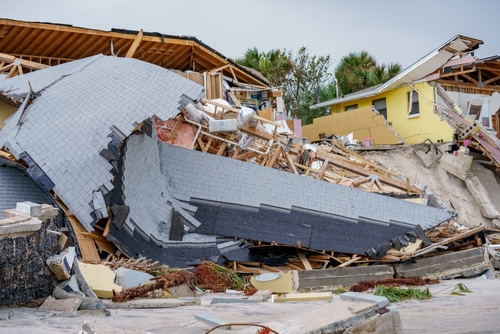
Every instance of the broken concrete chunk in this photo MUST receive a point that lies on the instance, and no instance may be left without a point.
(29, 208)
(100, 278)
(61, 305)
(128, 278)
(62, 263)
(260, 296)
(70, 285)
(182, 291)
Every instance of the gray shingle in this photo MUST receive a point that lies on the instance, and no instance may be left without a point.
(68, 124)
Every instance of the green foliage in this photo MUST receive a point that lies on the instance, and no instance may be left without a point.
(396, 294)
(304, 82)
(306, 79)
(274, 65)
(357, 71)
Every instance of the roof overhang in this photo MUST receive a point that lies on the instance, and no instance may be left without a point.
(52, 44)
(423, 67)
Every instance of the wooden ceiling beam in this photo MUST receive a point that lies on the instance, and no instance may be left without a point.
(174, 60)
(87, 45)
(7, 43)
(469, 78)
(46, 44)
(494, 70)
(491, 80)
(28, 42)
(72, 44)
(465, 85)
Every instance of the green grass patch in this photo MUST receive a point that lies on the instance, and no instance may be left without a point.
(396, 294)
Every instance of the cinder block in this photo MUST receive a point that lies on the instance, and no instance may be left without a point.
(29, 208)
(342, 276)
(464, 263)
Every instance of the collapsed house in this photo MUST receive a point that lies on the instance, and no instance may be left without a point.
(150, 159)
(103, 161)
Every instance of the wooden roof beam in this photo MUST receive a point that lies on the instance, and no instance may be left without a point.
(491, 80)
(25, 63)
(135, 45)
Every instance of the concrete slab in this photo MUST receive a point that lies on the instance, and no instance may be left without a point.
(150, 303)
(297, 317)
(61, 305)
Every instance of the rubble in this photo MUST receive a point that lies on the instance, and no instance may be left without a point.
(181, 169)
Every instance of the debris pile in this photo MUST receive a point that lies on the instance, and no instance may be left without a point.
(182, 169)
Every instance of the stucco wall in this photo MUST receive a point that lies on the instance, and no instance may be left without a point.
(411, 129)
(5, 111)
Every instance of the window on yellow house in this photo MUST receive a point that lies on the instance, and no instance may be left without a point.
(381, 107)
(413, 107)
(351, 107)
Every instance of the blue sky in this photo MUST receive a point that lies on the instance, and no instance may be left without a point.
(392, 31)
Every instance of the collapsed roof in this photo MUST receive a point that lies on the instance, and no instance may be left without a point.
(80, 109)
(85, 130)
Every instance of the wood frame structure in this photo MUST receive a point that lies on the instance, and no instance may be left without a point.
(48, 44)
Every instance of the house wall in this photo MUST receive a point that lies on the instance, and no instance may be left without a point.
(415, 129)
(362, 122)
(5, 111)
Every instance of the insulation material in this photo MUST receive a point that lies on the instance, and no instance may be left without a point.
(184, 136)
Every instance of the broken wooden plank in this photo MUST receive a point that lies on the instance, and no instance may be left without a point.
(242, 268)
(305, 262)
(323, 169)
(86, 244)
(345, 264)
(290, 162)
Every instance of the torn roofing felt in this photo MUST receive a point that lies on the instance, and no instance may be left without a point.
(81, 112)
(16, 186)
(232, 198)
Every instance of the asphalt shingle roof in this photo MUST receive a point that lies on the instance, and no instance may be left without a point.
(69, 123)
(233, 198)
(16, 186)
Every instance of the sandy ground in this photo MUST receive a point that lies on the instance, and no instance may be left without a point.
(475, 312)
(449, 189)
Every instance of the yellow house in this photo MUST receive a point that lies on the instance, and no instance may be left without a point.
(407, 101)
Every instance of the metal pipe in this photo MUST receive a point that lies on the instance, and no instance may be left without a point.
(112, 49)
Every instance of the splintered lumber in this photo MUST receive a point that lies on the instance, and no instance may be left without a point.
(305, 262)
(446, 241)
(344, 163)
(242, 268)
(363, 159)
(345, 264)
(294, 267)
(289, 160)
(323, 169)
(86, 244)
(269, 268)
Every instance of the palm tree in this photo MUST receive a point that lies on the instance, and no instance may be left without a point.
(274, 64)
(358, 71)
